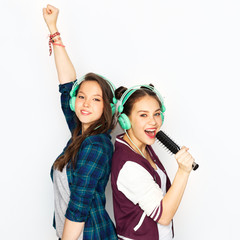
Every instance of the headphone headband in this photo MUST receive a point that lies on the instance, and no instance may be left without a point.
(75, 86)
(131, 90)
(112, 86)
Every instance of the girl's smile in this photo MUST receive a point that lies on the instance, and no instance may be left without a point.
(84, 112)
(151, 132)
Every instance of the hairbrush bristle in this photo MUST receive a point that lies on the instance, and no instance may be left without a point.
(166, 149)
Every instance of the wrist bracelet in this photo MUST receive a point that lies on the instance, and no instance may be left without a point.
(52, 41)
(56, 39)
(54, 35)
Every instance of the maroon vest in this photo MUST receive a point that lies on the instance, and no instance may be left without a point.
(126, 213)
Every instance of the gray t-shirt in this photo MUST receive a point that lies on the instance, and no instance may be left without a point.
(61, 199)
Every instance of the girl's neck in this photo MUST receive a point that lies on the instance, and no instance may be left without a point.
(139, 148)
(83, 129)
(142, 151)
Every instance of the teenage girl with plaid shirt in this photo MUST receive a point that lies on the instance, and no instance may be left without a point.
(81, 172)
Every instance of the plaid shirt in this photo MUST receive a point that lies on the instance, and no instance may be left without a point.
(87, 182)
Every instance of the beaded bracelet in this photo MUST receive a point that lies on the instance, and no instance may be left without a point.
(52, 41)
(54, 35)
(56, 39)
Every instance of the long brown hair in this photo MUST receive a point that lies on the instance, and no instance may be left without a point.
(102, 125)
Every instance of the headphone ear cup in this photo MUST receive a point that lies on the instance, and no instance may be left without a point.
(113, 107)
(72, 103)
(114, 100)
(124, 121)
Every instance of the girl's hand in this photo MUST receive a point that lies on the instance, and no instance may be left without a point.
(50, 15)
(184, 159)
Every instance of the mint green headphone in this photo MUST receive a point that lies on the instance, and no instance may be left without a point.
(123, 118)
(75, 86)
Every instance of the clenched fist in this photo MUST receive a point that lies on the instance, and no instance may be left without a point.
(50, 15)
(184, 159)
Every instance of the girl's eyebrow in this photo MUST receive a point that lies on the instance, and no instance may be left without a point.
(93, 95)
(142, 111)
(98, 95)
(159, 109)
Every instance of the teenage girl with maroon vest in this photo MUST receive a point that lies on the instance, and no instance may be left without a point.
(143, 198)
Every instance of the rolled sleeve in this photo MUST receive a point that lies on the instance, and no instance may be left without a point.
(65, 89)
(89, 169)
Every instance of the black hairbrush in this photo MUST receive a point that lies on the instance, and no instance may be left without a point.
(171, 145)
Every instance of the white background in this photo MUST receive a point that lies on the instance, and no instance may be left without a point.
(188, 49)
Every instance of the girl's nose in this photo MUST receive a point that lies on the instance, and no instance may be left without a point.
(86, 103)
(152, 121)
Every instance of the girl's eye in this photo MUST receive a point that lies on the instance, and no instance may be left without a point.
(80, 96)
(96, 99)
(143, 115)
(157, 114)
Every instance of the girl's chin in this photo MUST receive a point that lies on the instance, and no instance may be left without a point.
(148, 141)
(151, 142)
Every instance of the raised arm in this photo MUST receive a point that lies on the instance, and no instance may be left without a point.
(65, 69)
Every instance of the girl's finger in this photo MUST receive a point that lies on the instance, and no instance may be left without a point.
(183, 157)
(187, 160)
(51, 8)
(49, 11)
(181, 151)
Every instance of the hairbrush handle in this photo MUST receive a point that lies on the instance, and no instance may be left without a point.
(171, 145)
